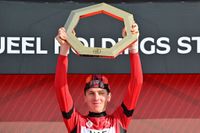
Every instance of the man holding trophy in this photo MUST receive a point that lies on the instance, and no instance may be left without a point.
(97, 93)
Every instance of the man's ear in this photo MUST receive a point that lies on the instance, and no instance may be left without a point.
(109, 97)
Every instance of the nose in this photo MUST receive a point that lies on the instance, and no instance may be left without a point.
(96, 96)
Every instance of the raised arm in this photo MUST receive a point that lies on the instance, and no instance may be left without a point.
(62, 91)
(135, 82)
(125, 111)
(136, 77)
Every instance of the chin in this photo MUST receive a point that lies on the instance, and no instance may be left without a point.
(96, 110)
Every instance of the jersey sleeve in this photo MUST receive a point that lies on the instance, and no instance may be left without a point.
(125, 111)
(63, 95)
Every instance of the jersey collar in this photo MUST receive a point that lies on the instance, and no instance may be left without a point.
(92, 114)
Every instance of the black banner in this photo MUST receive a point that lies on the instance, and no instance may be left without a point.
(169, 37)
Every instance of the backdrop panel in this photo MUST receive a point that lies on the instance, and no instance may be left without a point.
(169, 37)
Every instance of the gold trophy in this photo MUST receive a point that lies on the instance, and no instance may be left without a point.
(101, 8)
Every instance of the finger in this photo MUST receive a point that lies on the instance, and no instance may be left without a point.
(61, 41)
(62, 38)
(134, 31)
(62, 29)
(124, 32)
(134, 28)
(62, 35)
(73, 32)
(134, 25)
(58, 39)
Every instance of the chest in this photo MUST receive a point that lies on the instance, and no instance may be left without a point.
(98, 125)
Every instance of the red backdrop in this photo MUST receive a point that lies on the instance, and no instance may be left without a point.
(32, 97)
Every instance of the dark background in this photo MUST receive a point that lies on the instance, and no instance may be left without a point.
(155, 19)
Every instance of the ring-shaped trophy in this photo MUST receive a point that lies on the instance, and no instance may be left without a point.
(89, 11)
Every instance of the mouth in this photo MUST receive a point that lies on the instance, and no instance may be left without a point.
(96, 103)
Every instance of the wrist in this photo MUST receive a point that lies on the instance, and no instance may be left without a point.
(134, 51)
(134, 48)
(64, 50)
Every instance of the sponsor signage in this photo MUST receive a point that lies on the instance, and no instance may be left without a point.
(169, 39)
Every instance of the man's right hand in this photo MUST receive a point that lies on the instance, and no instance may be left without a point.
(62, 39)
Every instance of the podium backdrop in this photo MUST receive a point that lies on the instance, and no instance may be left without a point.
(169, 37)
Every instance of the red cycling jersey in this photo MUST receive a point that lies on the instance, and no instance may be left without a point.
(117, 122)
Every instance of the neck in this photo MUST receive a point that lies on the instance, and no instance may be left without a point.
(93, 114)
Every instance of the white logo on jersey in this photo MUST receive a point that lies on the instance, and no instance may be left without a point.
(106, 130)
(89, 124)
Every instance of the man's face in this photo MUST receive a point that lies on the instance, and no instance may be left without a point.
(97, 99)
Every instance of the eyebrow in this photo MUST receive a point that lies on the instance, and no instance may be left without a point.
(97, 91)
